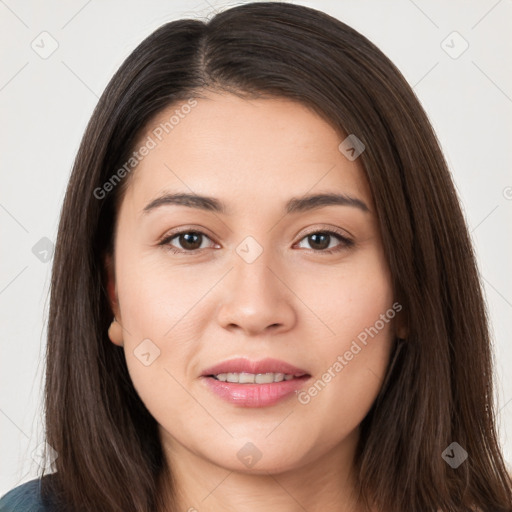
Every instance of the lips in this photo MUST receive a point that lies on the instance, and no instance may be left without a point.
(246, 383)
(242, 365)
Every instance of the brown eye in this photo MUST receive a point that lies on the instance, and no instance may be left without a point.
(320, 241)
(190, 241)
(186, 241)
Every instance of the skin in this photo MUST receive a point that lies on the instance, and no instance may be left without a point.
(292, 303)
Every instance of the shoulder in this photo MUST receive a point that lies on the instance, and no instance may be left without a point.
(26, 498)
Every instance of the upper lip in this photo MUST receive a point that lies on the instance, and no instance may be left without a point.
(242, 365)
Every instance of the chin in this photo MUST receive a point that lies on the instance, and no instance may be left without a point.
(260, 459)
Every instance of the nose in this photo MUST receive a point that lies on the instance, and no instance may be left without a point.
(255, 298)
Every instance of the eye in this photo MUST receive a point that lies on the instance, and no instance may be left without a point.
(189, 240)
(320, 241)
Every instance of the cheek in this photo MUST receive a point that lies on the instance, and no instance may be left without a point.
(154, 304)
(348, 301)
(359, 309)
(157, 298)
(162, 318)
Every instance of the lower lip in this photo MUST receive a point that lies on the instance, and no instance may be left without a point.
(255, 395)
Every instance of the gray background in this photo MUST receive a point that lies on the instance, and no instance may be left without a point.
(45, 104)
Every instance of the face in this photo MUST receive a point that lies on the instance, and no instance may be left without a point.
(256, 280)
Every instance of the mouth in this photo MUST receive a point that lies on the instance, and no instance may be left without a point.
(254, 383)
(256, 378)
(241, 365)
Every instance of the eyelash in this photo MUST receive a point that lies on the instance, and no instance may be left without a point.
(346, 243)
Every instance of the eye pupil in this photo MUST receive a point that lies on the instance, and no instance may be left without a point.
(323, 244)
(187, 240)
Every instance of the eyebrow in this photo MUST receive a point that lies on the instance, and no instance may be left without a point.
(294, 205)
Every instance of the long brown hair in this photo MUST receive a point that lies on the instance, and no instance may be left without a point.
(439, 389)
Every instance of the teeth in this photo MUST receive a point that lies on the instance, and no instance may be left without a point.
(252, 378)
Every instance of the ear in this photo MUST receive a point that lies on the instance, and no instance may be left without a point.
(115, 331)
(401, 324)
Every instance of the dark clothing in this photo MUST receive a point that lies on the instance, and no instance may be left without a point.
(27, 498)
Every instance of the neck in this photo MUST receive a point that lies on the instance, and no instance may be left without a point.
(326, 483)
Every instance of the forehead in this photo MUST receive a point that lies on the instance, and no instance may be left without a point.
(245, 151)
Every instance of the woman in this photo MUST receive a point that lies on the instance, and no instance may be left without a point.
(264, 295)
